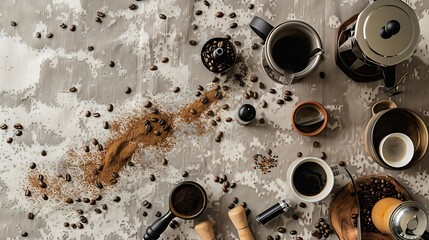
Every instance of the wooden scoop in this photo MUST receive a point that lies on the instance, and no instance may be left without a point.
(205, 230)
(238, 218)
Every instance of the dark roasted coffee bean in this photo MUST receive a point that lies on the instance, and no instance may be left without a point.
(219, 14)
(228, 119)
(246, 95)
(281, 229)
(354, 216)
(111, 64)
(244, 204)
(127, 90)
(316, 144)
(200, 88)
(147, 104)
(116, 199)
(164, 60)
(158, 214)
(13, 23)
(82, 219)
(9, 140)
(99, 185)
(113, 181)
(27, 193)
(205, 100)
(68, 177)
(227, 37)
(193, 111)
(100, 14)
(280, 101)
(218, 95)
(72, 89)
(72, 28)
(295, 217)
(86, 200)
(97, 210)
(235, 200)
(192, 42)
(194, 26)
(342, 163)
(132, 6)
(30, 216)
(247, 211)
(233, 185)
(18, 133)
(164, 162)
(264, 104)
(166, 127)
(197, 94)
(226, 184)
(105, 125)
(42, 184)
(255, 46)
(233, 25)
(49, 35)
(66, 224)
(287, 93)
(206, 3)
(216, 179)
(323, 155)
(302, 204)
(79, 225)
(293, 232)
(225, 88)
(3, 126)
(154, 119)
(299, 238)
(288, 98)
(299, 154)
(220, 180)
(145, 203)
(185, 174)
(215, 80)
(272, 91)
(251, 6)
(219, 135)
(98, 19)
(162, 16)
(86, 148)
(131, 164)
(213, 122)
(24, 234)
(104, 206)
(253, 78)
(94, 141)
(322, 75)
(152, 178)
(100, 147)
(237, 43)
(198, 12)
(261, 120)
(210, 113)
(153, 67)
(96, 115)
(176, 89)
(32, 165)
(321, 220)
(157, 133)
(90, 48)
(18, 126)
(232, 15)
(255, 95)
(87, 114)
(63, 25)
(225, 106)
(38, 35)
(73, 225)
(224, 189)
(231, 205)
(40, 177)
(45, 197)
(68, 200)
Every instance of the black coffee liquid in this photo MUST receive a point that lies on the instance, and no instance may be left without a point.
(291, 53)
(309, 179)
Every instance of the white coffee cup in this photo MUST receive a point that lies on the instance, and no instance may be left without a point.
(324, 167)
(396, 150)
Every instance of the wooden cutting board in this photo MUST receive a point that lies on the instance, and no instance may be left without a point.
(344, 205)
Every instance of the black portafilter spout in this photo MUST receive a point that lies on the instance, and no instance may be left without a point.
(274, 211)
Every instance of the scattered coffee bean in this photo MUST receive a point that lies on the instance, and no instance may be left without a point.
(193, 111)
(73, 225)
(30, 216)
(9, 140)
(87, 114)
(18, 132)
(130, 164)
(299, 154)
(96, 115)
(192, 42)
(205, 100)
(261, 120)
(176, 89)
(45, 197)
(198, 12)
(288, 98)
(18, 126)
(162, 16)
(127, 90)
(24, 234)
(164, 60)
(272, 91)
(233, 185)
(153, 67)
(68, 177)
(277, 237)
(86, 200)
(247, 211)
(79, 225)
(213, 122)
(27, 193)
(147, 104)
(227, 37)
(323, 155)
(164, 162)
(99, 185)
(293, 232)
(100, 14)
(342, 163)
(299, 238)
(13, 23)
(231, 205)
(251, 6)
(98, 19)
(3, 126)
(158, 214)
(295, 217)
(244, 204)
(280, 101)
(185, 174)
(116, 199)
(152, 178)
(253, 78)
(233, 25)
(226, 184)
(105, 125)
(66, 224)
(287, 93)
(220, 180)
(38, 35)
(200, 88)
(97, 210)
(215, 80)
(206, 3)
(316, 144)
(90, 48)
(224, 189)
(219, 135)
(194, 26)
(225, 106)
(72, 28)
(237, 43)
(68, 200)
(219, 14)
(246, 95)
(281, 229)
(111, 63)
(264, 104)
(255, 95)
(216, 179)
(302, 204)
(132, 6)
(228, 119)
(63, 25)
(322, 75)
(225, 88)
(72, 89)
(232, 15)
(218, 95)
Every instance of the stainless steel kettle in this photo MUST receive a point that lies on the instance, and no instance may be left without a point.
(371, 43)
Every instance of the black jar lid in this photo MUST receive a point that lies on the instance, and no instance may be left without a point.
(247, 112)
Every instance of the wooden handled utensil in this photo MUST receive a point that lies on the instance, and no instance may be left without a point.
(238, 218)
(205, 230)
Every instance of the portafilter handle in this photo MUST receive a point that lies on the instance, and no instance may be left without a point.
(154, 231)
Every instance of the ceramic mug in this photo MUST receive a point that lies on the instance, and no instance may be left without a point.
(311, 179)
(396, 149)
(309, 118)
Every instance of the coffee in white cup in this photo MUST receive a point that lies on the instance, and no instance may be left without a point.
(396, 150)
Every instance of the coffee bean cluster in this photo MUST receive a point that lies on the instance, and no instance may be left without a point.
(154, 120)
(17, 131)
(369, 194)
(222, 63)
(323, 229)
(265, 163)
(226, 185)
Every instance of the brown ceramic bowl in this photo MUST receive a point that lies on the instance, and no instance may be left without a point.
(313, 129)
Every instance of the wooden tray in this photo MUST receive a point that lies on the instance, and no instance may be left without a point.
(344, 205)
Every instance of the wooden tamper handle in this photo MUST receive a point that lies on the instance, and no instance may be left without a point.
(239, 219)
(205, 230)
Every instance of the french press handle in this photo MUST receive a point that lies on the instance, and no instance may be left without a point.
(261, 27)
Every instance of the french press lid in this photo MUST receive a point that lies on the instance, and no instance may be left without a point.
(408, 221)
(387, 32)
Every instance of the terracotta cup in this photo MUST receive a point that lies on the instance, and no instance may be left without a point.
(299, 115)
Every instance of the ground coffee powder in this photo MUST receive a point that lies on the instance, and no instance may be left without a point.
(187, 200)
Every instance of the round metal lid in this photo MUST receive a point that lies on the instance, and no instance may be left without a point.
(387, 32)
(408, 221)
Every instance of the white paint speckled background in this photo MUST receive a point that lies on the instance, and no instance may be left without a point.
(35, 75)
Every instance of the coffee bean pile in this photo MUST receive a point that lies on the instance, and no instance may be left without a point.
(323, 229)
(265, 163)
(221, 62)
(226, 185)
(369, 194)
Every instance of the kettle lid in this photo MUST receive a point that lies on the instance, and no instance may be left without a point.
(408, 221)
(387, 32)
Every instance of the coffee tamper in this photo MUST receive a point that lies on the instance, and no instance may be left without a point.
(238, 218)
(276, 210)
(205, 230)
